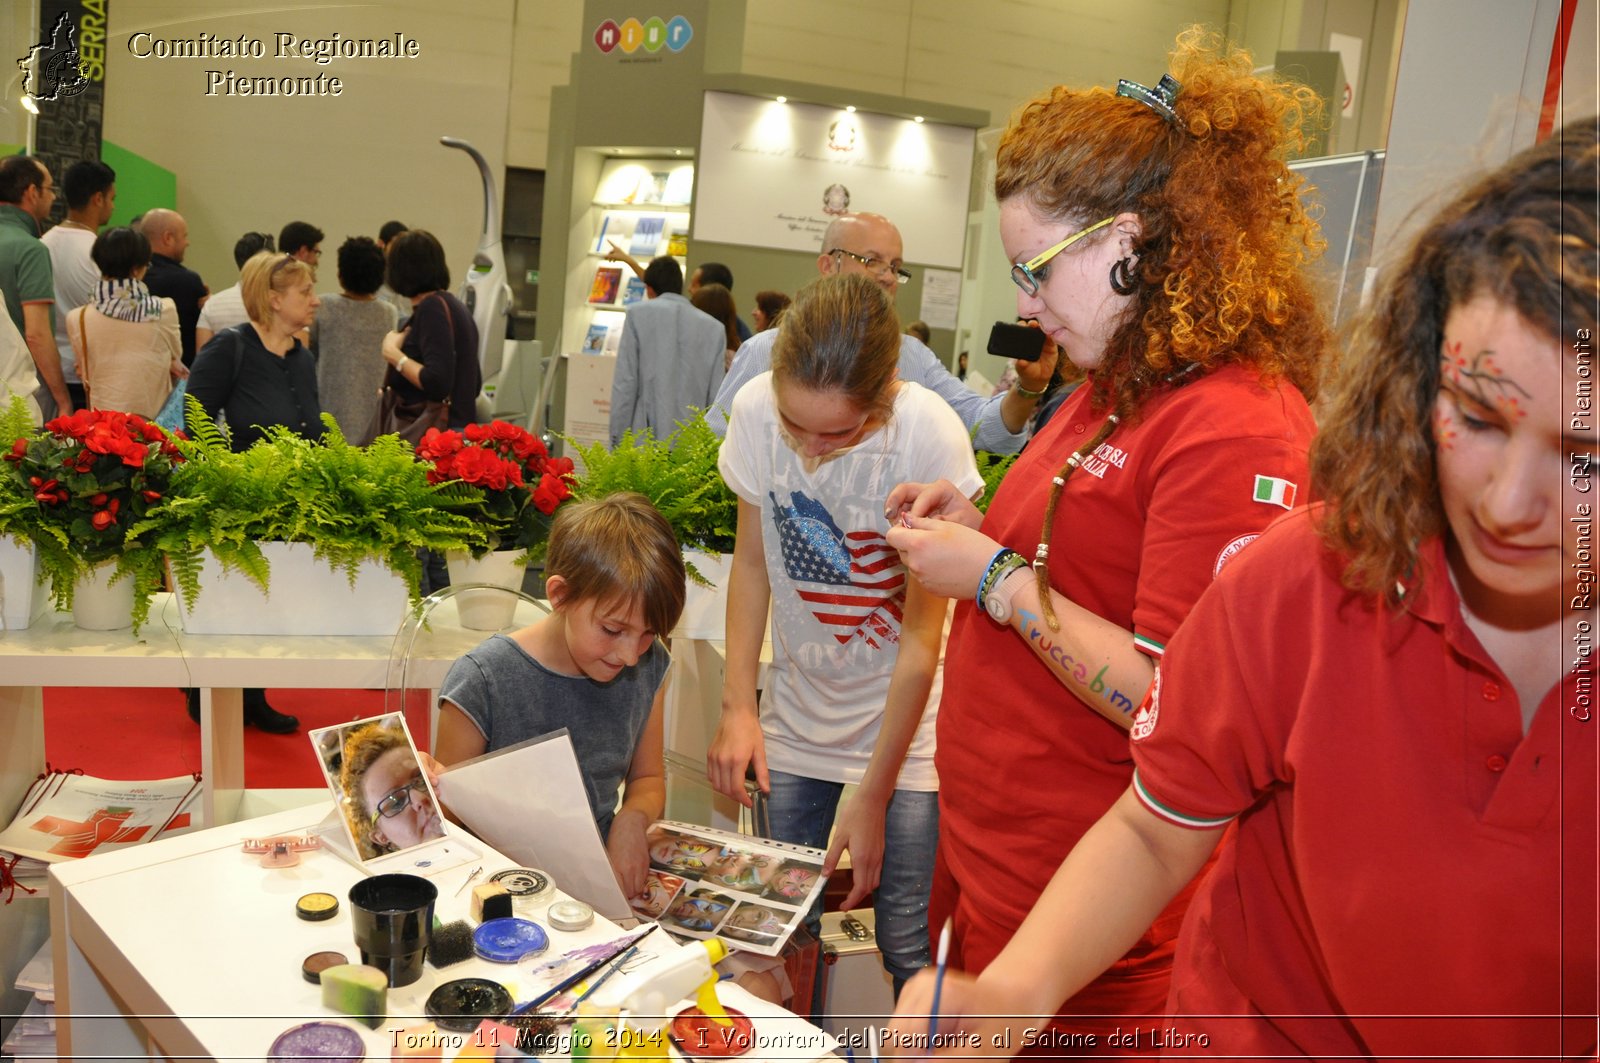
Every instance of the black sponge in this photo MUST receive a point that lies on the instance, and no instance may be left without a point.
(451, 944)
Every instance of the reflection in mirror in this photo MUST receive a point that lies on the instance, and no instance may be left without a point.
(378, 785)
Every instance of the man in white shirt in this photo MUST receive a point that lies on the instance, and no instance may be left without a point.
(91, 193)
(226, 308)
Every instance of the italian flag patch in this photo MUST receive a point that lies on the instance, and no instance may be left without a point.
(1274, 492)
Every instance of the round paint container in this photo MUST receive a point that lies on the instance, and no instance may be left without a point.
(529, 888)
(570, 915)
(509, 940)
(698, 1035)
(459, 1006)
(315, 907)
(331, 1041)
(312, 967)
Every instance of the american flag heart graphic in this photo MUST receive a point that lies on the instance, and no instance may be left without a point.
(852, 582)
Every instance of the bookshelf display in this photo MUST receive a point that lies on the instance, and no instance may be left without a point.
(641, 207)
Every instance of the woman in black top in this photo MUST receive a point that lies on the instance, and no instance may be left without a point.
(259, 374)
(434, 355)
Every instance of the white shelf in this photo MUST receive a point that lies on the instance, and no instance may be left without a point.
(645, 208)
(599, 254)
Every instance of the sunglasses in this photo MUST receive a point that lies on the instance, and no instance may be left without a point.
(1026, 275)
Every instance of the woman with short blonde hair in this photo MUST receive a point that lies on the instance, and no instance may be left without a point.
(258, 374)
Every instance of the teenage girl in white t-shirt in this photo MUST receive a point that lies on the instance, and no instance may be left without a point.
(813, 449)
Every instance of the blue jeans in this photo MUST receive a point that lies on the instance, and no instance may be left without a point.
(802, 811)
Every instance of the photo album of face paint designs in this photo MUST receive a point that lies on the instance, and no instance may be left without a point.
(751, 892)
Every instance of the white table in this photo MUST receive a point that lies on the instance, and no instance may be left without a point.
(187, 947)
(55, 652)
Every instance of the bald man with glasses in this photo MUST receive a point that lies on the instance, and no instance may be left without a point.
(870, 244)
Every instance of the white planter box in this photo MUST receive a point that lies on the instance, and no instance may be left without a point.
(305, 597)
(705, 609)
(22, 599)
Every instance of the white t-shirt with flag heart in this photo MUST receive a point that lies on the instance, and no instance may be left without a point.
(838, 589)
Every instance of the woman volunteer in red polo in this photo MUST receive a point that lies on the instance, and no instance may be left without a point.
(1158, 238)
(1383, 694)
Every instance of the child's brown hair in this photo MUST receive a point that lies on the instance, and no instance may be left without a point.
(619, 549)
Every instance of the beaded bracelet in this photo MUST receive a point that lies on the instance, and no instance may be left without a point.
(990, 574)
(1025, 393)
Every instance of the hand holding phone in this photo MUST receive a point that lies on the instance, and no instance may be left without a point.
(1023, 342)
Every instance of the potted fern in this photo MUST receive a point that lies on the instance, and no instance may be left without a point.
(257, 540)
(93, 477)
(22, 599)
(679, 476)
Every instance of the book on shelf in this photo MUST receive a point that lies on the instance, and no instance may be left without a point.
(615, 228)
(678, 243)
(647, 232)
(597, 339)
(607, 283)
(653, 189)
(633, 291)
(66, 815)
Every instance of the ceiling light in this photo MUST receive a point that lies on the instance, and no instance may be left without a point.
(917, 118)
(783, 99)
(851, 108)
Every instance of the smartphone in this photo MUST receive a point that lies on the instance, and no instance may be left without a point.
(1016, 341)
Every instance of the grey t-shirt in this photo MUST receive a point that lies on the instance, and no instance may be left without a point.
(347, 338)
(512, 698)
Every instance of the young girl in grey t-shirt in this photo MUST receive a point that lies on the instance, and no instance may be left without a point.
(615, 580)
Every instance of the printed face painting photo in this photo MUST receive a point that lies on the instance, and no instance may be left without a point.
(660, 889)
(755, 923)
(372, 768)
(791, 883)
(671, 851)
(699, 912)
(743, 870)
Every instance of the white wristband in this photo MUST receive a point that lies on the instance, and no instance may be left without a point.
(401, 364)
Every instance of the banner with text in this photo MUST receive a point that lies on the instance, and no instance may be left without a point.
(775, 174)
(66, 77)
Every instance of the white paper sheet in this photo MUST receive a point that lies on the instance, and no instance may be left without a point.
(528, 802)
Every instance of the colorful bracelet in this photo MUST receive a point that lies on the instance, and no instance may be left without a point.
(997, 563)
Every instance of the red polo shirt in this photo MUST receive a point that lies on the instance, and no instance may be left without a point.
(1140, 531)
(1412, 875)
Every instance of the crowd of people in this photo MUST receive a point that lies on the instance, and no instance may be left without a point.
(1243, 718)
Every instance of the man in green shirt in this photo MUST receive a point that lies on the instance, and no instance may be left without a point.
(27, 281)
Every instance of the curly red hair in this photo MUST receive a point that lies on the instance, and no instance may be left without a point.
(1225, 234)
(1526, 235)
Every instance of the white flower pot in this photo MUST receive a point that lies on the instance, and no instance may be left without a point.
(100, 605)
(22, 599)
(705, 609)
(304, 596)
(486, 610)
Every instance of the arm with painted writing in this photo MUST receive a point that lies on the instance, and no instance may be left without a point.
(1091, 656)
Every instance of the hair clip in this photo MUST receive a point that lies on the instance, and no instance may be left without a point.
(1158, 99)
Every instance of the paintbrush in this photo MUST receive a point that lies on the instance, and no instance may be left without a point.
(938, 981)
(567, 983)
(616, 965)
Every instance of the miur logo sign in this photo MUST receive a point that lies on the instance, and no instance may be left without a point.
(653, 34)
